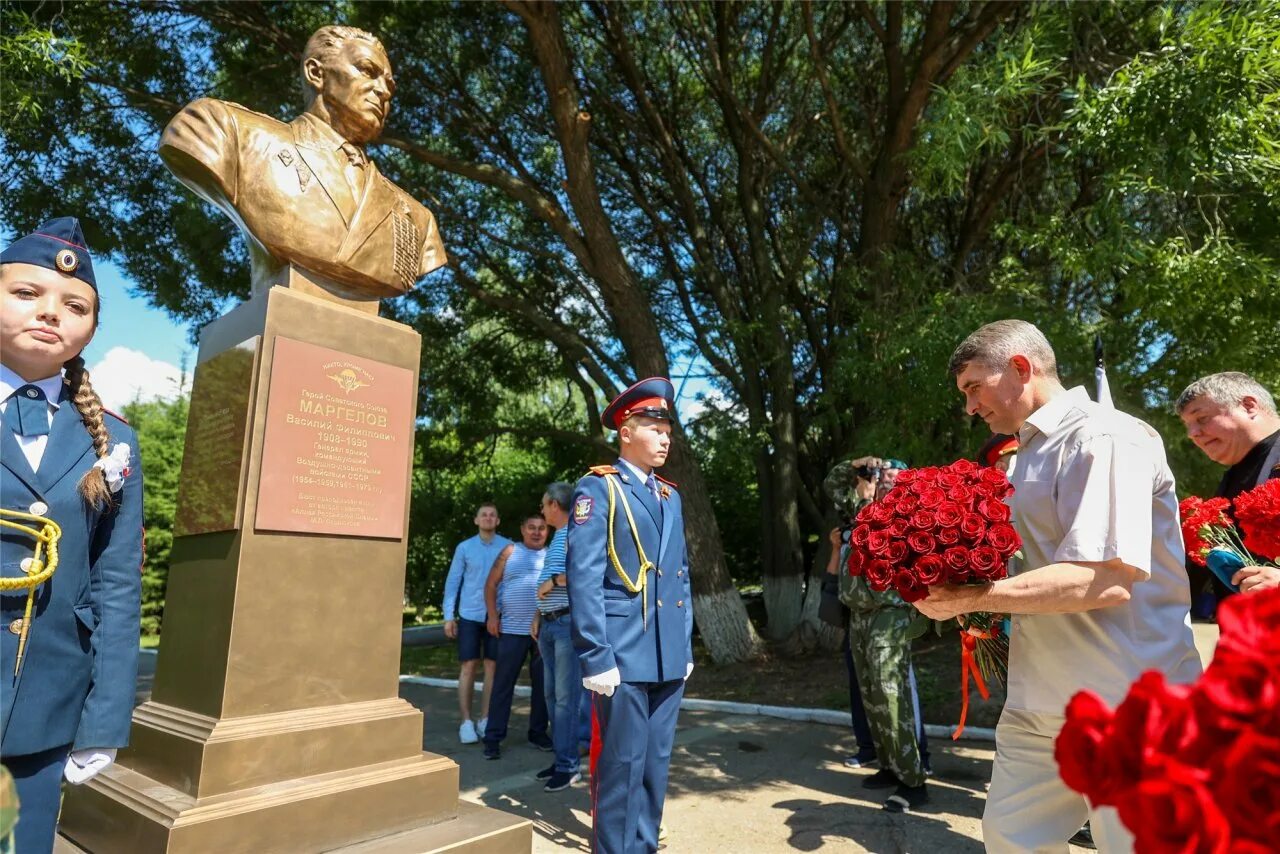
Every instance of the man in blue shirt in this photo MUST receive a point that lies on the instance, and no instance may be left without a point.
(510, 593)
(561, 673)
(464, 615)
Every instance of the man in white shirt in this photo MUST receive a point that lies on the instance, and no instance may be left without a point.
(1102, 595)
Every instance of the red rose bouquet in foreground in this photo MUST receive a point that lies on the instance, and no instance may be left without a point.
(1191, 768)
(1216, 540)
(943, 525)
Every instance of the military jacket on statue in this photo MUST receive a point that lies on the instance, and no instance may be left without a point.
(79, 670)
(286, 185)
(646, 633)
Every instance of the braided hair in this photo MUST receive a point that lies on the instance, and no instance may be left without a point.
(93, 486)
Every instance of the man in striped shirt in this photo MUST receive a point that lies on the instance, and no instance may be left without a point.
(510, 595)
(561, 672)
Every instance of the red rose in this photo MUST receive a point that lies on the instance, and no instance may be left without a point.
(921, 542)
(894, 495)
(881, 513)
(1246, 799)
(994, 510)
(896, 552)
(948, 480)
(859, 535)
(857, 561)
(879, 575)
(905, 477)
(962, 494)
(949, 514)
(993, 476)
(1082, 748)
(956, 557)
(921, 485)
(864, 515)
(986, 563)
(948, 536)
(1004, 538)
(930, 569)
(908, 586)
(973, 526)
(1250, 622)
(1153, 722)
(907, 504)
(1174, 812)
(1257, 513)
(964, 467)
(923, 520)
(877, 542)
(932, 497)
(1239, 687)
(898, 528)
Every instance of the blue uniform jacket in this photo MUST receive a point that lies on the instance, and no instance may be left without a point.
(79, 671)
(608, 623)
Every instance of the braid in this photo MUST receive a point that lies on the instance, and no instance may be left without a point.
(93, 486)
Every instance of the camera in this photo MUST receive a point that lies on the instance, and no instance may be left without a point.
(868, 472)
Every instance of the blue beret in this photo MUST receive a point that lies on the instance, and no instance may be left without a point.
(57, 245)
(651, 398)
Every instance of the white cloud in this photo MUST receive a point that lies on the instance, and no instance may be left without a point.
(124, 375)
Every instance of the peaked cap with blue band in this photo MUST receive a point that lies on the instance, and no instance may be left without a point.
(56, 245)
(652, 398)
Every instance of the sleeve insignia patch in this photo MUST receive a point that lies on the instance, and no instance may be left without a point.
(582, 509)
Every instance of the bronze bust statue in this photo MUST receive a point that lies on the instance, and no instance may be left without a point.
(304, 193)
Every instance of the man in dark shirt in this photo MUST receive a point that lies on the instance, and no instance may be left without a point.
(1232, 418)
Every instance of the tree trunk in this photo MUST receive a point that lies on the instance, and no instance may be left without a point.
(812, 635)
(784, 572)
(717, 608)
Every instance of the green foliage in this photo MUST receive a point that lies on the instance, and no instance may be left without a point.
(30, 55)
(162, 430)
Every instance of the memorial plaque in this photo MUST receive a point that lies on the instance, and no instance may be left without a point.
(209, 494)
(338, 443)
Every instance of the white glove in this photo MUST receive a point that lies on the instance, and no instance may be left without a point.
(688, 671)
(84, 765)
(604, 683)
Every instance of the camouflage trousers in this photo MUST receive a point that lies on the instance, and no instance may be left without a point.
(881, 645)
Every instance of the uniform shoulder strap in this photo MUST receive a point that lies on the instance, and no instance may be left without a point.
(601, 471)
(116, 416)
(670, 483)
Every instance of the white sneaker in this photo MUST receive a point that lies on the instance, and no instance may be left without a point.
(467, 733)
(480, 725)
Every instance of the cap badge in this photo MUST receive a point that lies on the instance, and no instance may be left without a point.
(66, 260)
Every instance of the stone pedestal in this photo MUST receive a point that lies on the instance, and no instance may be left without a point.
(275, 723)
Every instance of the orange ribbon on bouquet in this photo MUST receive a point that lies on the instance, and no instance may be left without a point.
(969, 638)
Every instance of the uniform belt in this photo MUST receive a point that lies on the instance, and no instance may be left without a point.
(556, 614)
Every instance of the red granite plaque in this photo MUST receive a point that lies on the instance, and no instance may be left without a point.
(338, 444)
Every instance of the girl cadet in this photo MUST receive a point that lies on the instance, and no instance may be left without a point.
(71, 540)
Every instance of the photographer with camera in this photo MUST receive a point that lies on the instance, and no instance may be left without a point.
(879, 631)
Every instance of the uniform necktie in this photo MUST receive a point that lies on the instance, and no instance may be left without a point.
(356, 161)
(31, 412)
(652, 484)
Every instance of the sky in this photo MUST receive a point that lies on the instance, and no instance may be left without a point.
(138, 351)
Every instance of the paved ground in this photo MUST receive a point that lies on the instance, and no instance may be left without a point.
(742, 784)
(738, 783)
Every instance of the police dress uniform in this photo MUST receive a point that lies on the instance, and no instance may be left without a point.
(75, 687)
(631, 609)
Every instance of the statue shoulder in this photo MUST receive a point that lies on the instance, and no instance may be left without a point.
(225, 114)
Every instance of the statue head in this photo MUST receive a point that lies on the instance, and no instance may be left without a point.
(346, 76)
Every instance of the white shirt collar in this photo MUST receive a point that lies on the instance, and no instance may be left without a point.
(636, 470)
(11, 382)
(1047, 418)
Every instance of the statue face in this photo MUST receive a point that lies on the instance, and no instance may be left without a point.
(356, 85)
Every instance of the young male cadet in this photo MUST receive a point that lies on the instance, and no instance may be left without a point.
(631, 615)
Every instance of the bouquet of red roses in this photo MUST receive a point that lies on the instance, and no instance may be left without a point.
(1214, 539)
(943, 525)
(1191, 767)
